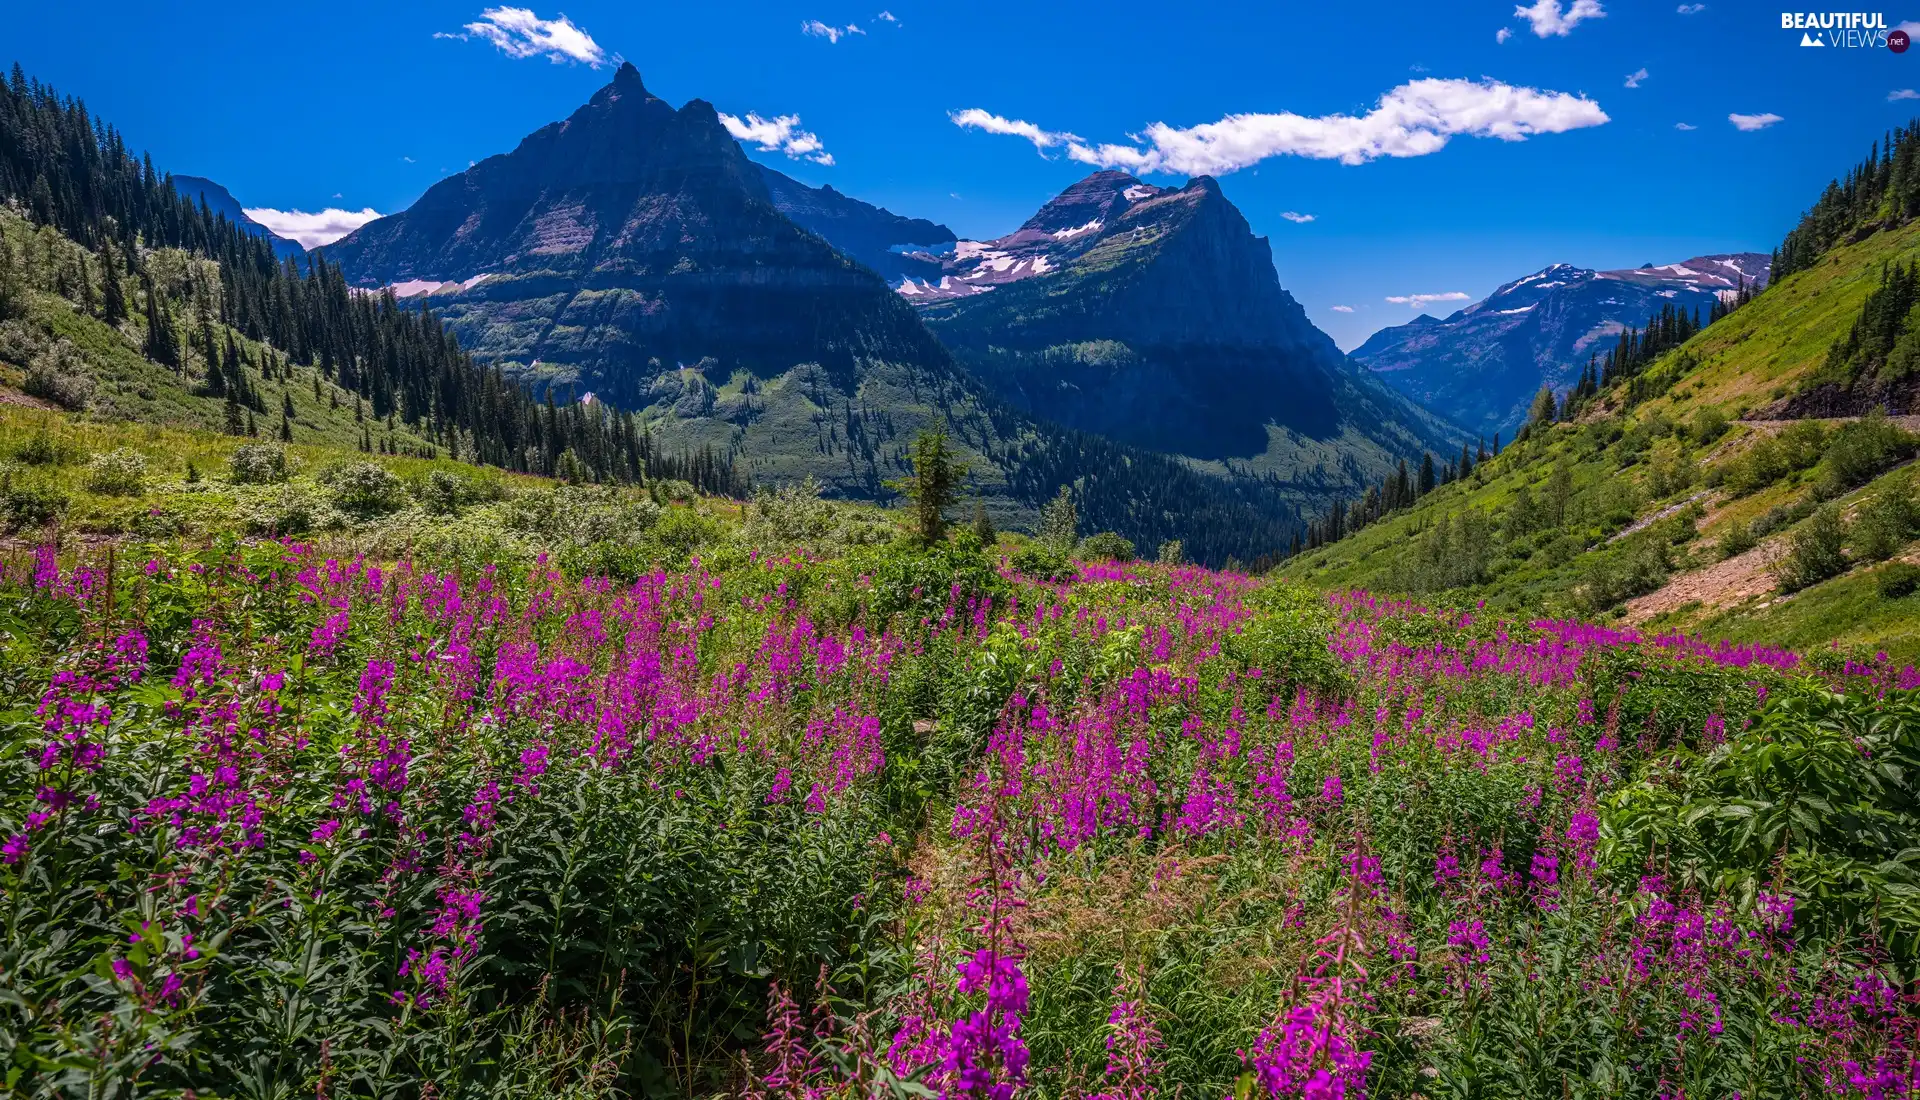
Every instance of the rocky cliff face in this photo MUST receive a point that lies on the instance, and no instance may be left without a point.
(1482, 366)
(895, 247)
(633, 250)
(1155, 315)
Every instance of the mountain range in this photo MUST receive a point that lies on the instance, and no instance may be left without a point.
(1154, 315)
(1482, 366)
(1134, 336)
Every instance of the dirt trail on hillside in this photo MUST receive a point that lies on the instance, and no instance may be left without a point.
(1722, 584)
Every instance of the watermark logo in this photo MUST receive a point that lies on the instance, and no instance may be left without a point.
(1844, 30)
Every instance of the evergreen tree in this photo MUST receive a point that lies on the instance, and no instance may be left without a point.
(934, 484)
(1427, 478)
(983, 524)
(1060, 522)
(1544, 406)
(113, 292)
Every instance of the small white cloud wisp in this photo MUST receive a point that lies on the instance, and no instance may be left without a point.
(1549, 20)
(1418, 300)
(816, 29)
(1297, 217)
(312, 229)
(1750, 123)
(1634, 78)
(519, 33)
(779, 134)
(974, 118)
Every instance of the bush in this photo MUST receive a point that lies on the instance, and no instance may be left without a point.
(1107, 546)
(121, 472)
(365, 490)
(42, 449)
(1860, 450)
(23, 507)
(1043, 562)
(292, 508)
(1171, 552)
(58, 374)
(1815, 551)
(1737, 541)
(258, 464)
(1898, 581)
(1887, 522)
(446, 493)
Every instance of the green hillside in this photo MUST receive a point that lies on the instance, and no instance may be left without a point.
(1684, 510)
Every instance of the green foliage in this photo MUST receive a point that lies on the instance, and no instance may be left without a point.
(1828, 780)
(121, 472)
(364, 490)
(258, 464)
(1107, 546)
(1860, 450)
(1060, 523)
(1887, 521)
(935, 484)
(26, 506)
(1815, 551)
(1898, 581)
(1170, 553)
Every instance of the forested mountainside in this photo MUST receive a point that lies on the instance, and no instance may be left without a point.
(1747, 478)
(1154, 315)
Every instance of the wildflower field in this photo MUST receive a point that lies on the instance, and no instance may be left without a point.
(903, 822)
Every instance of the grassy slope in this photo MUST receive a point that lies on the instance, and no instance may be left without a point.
(130, 387)
(1756, 355)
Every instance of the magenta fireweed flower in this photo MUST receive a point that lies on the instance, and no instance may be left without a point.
(1331, 792)
(375, 682)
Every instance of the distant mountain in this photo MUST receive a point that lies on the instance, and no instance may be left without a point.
(634, 251)
(1155, 316)
(221, 201)
(897, 247)
(1482, 366)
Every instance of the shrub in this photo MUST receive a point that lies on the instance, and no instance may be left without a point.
(1708, 425)
(1737, 541)
(291, 508)
(23, 507)
(446, 493)
(365, 490)
(1887, 522)
(1171, 552)
(1815, 551)
(1107, 546)
(58, 374)
(1898, 581)
(42, 449)
(1042, 562)
(121, 472)
(1859, 450)
(258, 464)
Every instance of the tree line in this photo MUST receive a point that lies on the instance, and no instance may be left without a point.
(62, 167)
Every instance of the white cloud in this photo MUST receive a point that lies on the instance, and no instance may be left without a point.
(1342, 309)
(1296, 217)
(1912, 28)
(1412, 120)
(780, 134)
(1685, 126)
(1634, 78)
(1418, 300)
(518, 32)
(973, 118)
(409, 160)
(312, 230)
(1902, 93)
(1548, 20)
(1500, 36)
(832, 34)
(886, 17)
(1691, 9)
(1750, 123)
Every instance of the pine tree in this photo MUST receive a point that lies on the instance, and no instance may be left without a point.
(983, 524)
(1427, 477)
(1544, 405)
(934, 485)
(286, 429)
(113, 293)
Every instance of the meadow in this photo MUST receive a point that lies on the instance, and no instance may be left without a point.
(893, 819)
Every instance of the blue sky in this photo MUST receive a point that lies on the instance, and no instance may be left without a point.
(355, 105)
